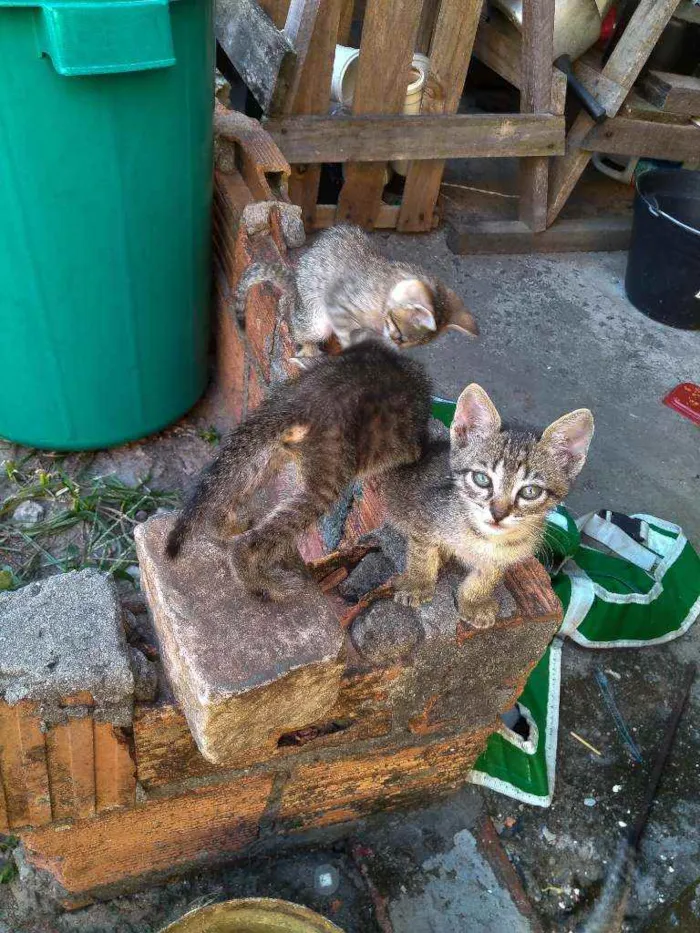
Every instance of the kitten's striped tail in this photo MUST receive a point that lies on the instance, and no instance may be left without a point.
(278, 273)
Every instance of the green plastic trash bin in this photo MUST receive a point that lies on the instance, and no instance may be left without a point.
(105, 201)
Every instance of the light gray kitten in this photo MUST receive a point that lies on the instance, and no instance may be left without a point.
(482, 497)
(342, 286)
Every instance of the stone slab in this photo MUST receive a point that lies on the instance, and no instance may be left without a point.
(63, 637)
(242, 670)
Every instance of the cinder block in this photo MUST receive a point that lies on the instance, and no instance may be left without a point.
(242, 670)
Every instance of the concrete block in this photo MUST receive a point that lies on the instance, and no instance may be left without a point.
(63, 637)
(243, 671)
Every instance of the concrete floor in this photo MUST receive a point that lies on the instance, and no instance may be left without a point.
(557, 334)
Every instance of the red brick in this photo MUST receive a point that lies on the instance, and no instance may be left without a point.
(231, 362)
(159, 836)
(256, 388)
(322, 793)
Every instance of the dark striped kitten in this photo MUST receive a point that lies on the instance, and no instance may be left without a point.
(352, 415)
(482, 497)
(342, 285)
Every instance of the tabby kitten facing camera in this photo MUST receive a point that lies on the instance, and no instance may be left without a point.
(342, 285)
(352, 415)
(482, 497)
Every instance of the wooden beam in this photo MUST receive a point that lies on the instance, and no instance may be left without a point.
(674, 93)
(384, 138)
(387, 217)
(497, 45)
(646, 139)
(300, 28)
(313, 97)
(276, 10)
(536, 97)
(260, 53)
(589, 234)
(622, 70)
(387, 47)
(637, 108)
(450, 53)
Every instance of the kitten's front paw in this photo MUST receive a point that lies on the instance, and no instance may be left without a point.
(410, 593)
(478, 615)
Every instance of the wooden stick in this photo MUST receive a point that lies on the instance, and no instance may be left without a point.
(383, 138)
(622, 69)
(536, 97)
(313, 92)
(591, 748)
(450, 53)
(388, 42)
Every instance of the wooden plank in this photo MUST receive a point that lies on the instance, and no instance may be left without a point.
(622, 69)
(384, 138)
(299, 29)
(450, 53)
(589, 234)
(637, 108)
(388, 42)
(535, 97)
(497, 45)
(115, 770)
(426, 26)
(276, 10)
(345, 25)
(674, 93)
(644, 138)
(261, 54)
(386, 219)
(313, 97)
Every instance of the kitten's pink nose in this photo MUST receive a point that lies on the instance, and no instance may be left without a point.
(499, 510)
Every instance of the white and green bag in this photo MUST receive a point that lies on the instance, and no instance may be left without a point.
(624, 581)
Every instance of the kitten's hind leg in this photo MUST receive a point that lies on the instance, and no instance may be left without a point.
(417, 584)
(265, 558)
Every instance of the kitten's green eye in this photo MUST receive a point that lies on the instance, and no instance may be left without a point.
(530, 492)
(481, 479)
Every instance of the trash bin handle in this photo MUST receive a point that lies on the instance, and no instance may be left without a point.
(655, 210)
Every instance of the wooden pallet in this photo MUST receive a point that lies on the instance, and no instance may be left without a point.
(284, 50)
(295, 95)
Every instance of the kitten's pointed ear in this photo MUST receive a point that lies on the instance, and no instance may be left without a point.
(458, 318)
(475, 414)
(568, 438)
(411, 305)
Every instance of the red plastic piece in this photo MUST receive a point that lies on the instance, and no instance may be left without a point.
(608, 25)
(685, 399)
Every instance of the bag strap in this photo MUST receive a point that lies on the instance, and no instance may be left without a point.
(613, 537)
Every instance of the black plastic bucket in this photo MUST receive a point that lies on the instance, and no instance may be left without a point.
(663, 267)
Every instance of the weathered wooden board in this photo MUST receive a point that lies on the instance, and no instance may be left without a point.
(589, 234)
(644, 138)
(536, 97)
(386, 219)
(313, 97)
(622, 69)
(387, 47)
(449, 136)
(450, 53)
(497, 45)
(261, 53)
(675, 93)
